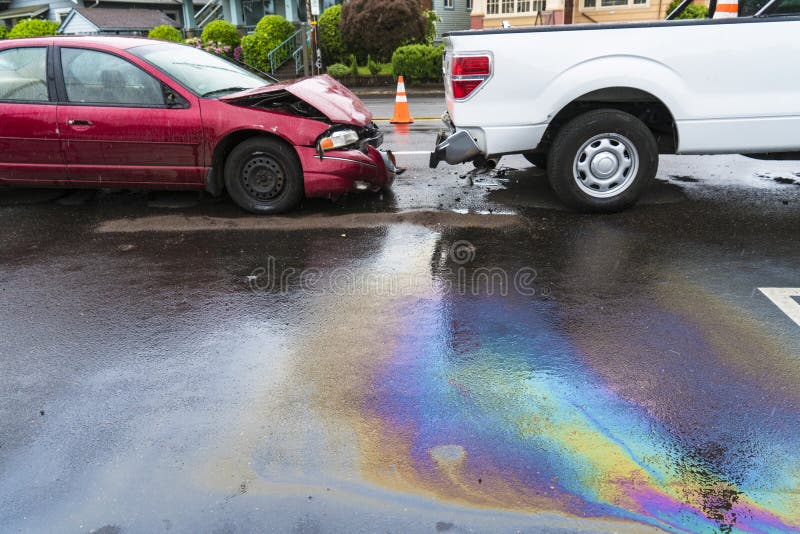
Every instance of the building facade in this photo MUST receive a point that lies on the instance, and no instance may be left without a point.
(453, 15)
(499, 13)
(189, 14)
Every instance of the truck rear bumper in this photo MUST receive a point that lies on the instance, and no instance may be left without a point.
(458, 147)
(461, 144)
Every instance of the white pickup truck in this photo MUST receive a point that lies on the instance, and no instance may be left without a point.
(596, 104)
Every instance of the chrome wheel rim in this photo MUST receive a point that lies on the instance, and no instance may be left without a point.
(263, 178)
(606, 165)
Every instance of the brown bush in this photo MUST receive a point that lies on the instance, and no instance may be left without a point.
(377, 27)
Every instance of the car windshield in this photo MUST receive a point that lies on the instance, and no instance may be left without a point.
(202, 72)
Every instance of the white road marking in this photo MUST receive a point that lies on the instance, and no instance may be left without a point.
(412, 153)
(783, 299)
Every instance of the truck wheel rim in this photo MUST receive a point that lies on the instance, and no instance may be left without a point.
(606, 165)
(263, 178)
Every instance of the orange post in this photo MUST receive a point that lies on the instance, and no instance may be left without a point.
(401, 114)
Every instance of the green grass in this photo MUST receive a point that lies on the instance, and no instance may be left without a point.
(386, 68)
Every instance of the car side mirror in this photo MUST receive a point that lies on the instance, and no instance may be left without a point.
(174, 100)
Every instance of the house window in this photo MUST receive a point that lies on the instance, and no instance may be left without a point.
(469, 5)
(523, 6)
(448, 4)
(492, 7)
(61, 14)
(508, 6)
(591, 4)
(254, 10)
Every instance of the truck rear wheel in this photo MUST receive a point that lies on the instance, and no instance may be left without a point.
(539, 159)
(602, 161)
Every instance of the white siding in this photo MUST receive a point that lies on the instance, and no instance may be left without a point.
(78, 24)
(55, 4)
(455, 18)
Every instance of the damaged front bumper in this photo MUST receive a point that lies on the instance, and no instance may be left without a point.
(453, 146)
(336, 172)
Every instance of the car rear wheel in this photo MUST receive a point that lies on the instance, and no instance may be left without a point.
(602, 161)
(263, 176)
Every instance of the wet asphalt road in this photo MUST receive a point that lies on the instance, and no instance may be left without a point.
(446, 357)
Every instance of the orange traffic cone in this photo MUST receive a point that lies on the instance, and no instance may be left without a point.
(401, 115)
(727, 9)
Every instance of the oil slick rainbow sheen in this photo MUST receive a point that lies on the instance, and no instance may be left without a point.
(487, 403)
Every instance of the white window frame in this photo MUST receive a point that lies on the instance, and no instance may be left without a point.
(62, 11)
(533, 8)
(449, 4)
(598, 6)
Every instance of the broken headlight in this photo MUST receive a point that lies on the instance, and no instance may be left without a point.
(338, 139)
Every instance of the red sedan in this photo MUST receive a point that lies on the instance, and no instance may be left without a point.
(126, 112)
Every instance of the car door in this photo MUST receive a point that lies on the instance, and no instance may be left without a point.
(121, 125)
(30, 150)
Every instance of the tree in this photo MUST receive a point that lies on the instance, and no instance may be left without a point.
(377, 27)
(330, 37)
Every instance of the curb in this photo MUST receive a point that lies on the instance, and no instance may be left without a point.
(369, 91)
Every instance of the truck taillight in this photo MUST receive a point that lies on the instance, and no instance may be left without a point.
(468, 73)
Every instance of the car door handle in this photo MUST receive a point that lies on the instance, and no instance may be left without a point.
(77, 122)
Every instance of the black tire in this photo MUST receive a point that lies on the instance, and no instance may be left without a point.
(611, 137)
(263, 176)
(539, 159)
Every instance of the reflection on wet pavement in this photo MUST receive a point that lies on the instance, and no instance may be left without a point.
(376, 364)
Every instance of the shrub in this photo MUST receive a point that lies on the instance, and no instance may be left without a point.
(33, 28)
(378, 27)
(337, 70)
(166, 33)
(694, 11)
(353, 65)
(221, 32)
(3, 31)
(373, 66)
(270, 31)
(330, 38)
(418, 63)
(431, 18)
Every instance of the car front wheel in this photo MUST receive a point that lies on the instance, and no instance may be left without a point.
(263, 176)
(602, 161)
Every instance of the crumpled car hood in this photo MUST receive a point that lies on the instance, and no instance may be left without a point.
(325, 94)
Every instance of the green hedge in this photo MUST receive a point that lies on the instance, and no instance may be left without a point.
(166, 33)
(694, 11)
(221, 31)
(338, 69)
(330, 37)
(270, 31)
(418, 63)
(33, 28)
(3, 31)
